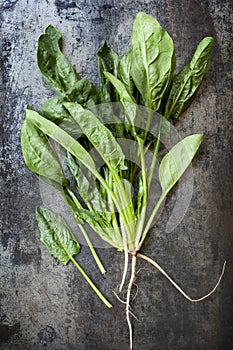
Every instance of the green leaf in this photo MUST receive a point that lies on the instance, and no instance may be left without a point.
(124, 72)
(59, 73)
(126, 99)
(177, 160)
(100, 136)
(39, 154)
(188, 80)
(86, 184)
(108, 61)
(56, 235)
(120, 87)
(64, 139)
(55, 67)
(60, 242)
(153, 59)
(54, 110)
(83, 92)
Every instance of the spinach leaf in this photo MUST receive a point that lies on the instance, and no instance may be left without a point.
(188, 80)
(61, 243)
(100, 136)
(153, 59)
(126, 99)
(55, 67)
(86, 184)
(83, 92)
(59, 73)
(39, 154)
(124, 72)
(56, 235)
(54, 110)
(64, 139)
(108, 61)
(177, 160)
(120, 87)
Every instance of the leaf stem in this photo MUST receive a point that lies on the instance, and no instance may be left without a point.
(128, 210)
(149, 222)
(87, 278)
(142, 216)
(84, 232)
(153, 163)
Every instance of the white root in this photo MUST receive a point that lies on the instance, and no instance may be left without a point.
(128, 312)
(118, 298)
(154, 263)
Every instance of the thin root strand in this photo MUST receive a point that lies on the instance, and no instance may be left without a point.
(154, 263)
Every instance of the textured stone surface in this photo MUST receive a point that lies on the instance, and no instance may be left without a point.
(47, 306)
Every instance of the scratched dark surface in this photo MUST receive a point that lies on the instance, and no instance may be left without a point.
(45, 305)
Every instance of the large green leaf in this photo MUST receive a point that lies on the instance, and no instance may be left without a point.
(56, 235)
(55, 67)
(108, 61)
(188, 80)
(153, 59)
(39, 154)
(100, 136)
(64, 139)
(177, 160)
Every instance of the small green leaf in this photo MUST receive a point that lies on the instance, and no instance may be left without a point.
(153, 59)
(56, 235)
(59, 73)
(124, 72)
(108, 61)
(39, 154)
(126, 99)
(120, 87)
(55, 67)
(86, 184)
(177, 160)
(100, 136)
(188, 80)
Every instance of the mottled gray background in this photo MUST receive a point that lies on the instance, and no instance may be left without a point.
(45, 305)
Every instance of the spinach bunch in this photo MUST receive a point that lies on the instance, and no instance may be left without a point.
(102, 196)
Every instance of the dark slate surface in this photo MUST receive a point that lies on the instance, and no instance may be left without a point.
(47, 306)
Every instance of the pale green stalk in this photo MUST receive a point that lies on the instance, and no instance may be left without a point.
(90, 245)
(146, 230)
(87, 278)
(142, 216)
